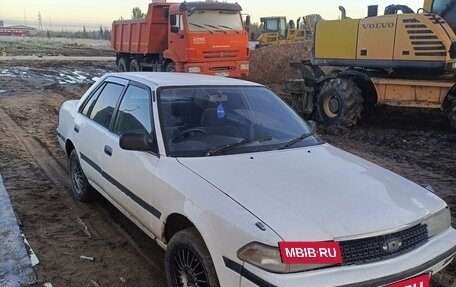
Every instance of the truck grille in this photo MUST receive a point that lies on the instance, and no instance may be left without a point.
(368, 250)
(221, 54)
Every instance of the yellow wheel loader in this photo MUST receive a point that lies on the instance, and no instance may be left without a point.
(276, 30)
(402, 58)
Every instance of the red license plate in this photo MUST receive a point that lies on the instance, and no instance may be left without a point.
(420, 281)
(310, 252)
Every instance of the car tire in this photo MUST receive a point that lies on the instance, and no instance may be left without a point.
(339, 102)
(134, 66)
(171, 67)
(188, 260)
(123, 64)
(80, 186)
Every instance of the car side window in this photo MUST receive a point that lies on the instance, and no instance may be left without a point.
(134, 115)
(89, 103)
(104, 106)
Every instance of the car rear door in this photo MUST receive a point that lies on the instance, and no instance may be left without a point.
(92, 124)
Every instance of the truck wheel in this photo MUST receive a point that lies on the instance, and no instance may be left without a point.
(81, 188)
(188, 262)
(171, 67)
(452, 115)
(123, 64)
(134, 66)
(339, 102)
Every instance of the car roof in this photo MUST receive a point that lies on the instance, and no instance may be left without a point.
(181, 79)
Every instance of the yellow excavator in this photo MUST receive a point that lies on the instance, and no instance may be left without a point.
(276, 30)
(402, 58)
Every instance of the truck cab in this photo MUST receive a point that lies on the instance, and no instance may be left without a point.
(208, 38)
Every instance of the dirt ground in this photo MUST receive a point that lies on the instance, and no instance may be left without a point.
(416, 144)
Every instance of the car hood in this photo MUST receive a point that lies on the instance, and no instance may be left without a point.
(317, 193)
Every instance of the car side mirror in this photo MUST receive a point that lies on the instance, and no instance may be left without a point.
(312, 125)
(136, 141)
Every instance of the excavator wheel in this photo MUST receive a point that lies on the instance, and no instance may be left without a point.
(339, 102)
(452, 115)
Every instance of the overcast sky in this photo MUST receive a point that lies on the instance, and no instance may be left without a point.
(69, 14)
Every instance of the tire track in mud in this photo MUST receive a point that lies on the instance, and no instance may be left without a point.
(57, 174)
(40, 155)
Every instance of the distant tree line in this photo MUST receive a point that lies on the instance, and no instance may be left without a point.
(103, 33)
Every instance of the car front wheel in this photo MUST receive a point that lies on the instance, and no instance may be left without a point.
(188, 262)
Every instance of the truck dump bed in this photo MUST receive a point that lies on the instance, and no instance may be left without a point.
(144, 36)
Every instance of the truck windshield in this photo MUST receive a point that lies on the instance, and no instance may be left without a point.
(204, 20)
(211, 121)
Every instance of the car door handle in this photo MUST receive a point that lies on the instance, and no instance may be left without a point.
(108, 150)
(76, 128)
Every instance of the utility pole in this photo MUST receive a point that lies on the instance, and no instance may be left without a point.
(40, 23)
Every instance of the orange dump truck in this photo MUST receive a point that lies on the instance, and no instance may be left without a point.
(191, 37)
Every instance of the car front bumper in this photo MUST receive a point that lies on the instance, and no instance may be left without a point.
(429, 258)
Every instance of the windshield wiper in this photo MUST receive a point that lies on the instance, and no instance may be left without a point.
(224, 148)
(229, 28)
(215, 27)
(295, 141)
(201, 26)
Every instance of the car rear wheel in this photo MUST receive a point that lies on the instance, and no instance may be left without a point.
(188, 262)
(81, 188)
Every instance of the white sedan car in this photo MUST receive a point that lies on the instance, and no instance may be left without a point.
(220, 172)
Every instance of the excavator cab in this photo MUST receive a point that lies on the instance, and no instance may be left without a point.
(275, 31)
(444, 8)
(275, 25)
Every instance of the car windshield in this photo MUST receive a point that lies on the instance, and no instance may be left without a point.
(209, 121)
(214, 20)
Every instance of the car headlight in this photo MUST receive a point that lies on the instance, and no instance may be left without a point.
(244, 66)
(268, 258)
(194, 70)
(438, 222)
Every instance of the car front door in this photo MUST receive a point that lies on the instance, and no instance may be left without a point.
(133, 172)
